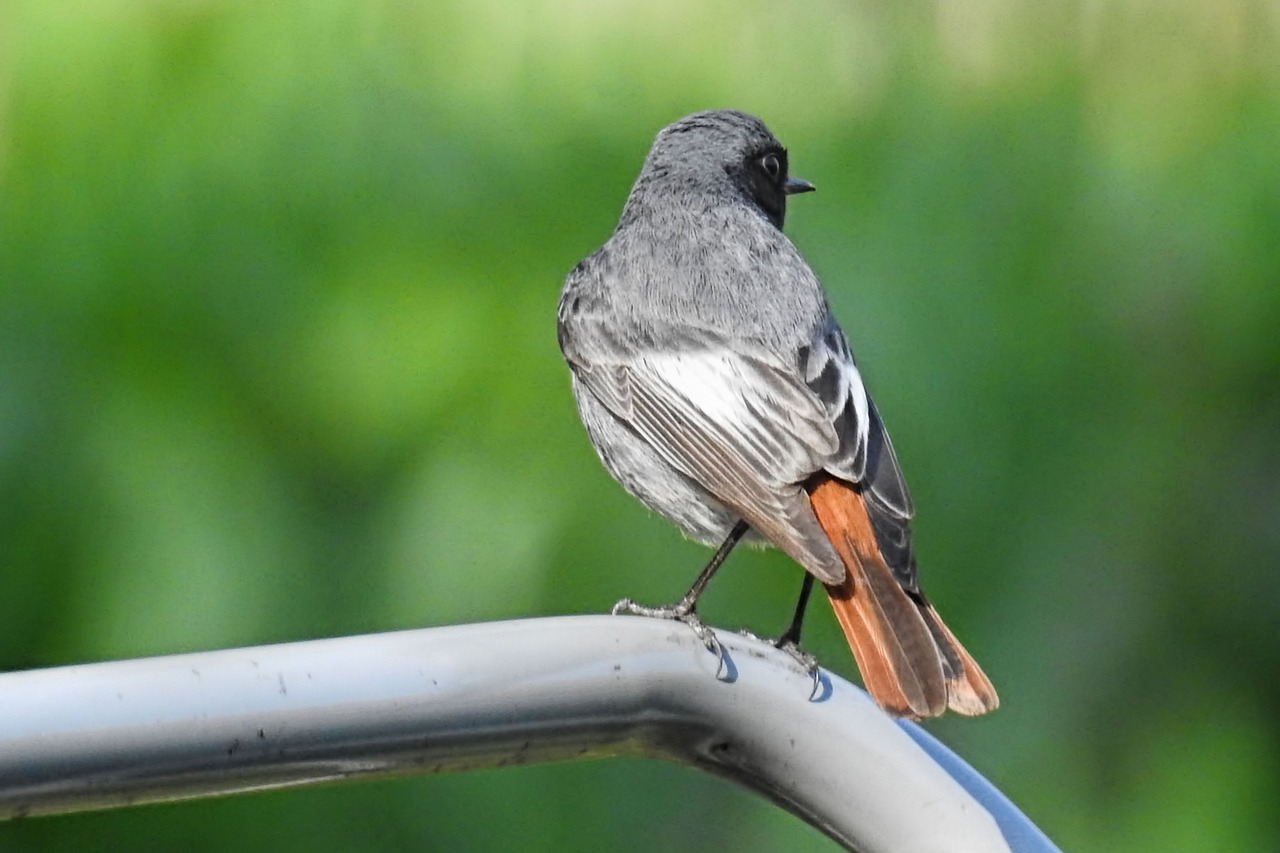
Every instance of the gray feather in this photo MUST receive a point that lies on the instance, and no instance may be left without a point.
(708, 369)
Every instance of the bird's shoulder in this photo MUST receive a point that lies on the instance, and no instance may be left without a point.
(721, 277)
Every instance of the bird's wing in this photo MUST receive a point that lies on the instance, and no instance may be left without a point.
(865, 455)
(743, 427)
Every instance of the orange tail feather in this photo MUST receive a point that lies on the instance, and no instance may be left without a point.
(912, 665)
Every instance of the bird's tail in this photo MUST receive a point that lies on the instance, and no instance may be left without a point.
(912, 665)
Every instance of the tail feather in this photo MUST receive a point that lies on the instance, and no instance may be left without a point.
(912, 665)
(969, 691)
(890, 642)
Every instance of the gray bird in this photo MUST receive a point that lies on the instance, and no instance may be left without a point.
(718, 390)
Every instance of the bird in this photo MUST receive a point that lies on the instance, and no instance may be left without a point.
(718, 389)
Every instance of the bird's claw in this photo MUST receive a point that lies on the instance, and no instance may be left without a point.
(806, 660)
(681, 611)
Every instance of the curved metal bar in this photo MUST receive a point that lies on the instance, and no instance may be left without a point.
(487, 695)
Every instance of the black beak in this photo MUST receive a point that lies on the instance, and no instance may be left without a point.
(797, 185)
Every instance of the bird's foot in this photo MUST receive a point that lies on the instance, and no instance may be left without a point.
(807, 661)
(792, 649)
(681, 611)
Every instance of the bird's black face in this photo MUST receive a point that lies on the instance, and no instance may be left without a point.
(763, 177)
(716, 153)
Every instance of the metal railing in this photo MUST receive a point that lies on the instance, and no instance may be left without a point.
(112, 734)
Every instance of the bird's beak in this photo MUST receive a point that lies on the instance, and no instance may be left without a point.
(797, 185)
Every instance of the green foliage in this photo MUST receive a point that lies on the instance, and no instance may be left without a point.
(277, 361)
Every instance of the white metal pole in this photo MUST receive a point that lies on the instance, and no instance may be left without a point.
(485, 695)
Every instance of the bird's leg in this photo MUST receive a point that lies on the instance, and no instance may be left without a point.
(789, 642)
(791, 636)
(683, 610)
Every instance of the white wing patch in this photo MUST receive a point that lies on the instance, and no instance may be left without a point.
(743, 429)
(830, 372)
(778, 427)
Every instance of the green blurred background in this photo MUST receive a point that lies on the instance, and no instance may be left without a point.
(278, 361)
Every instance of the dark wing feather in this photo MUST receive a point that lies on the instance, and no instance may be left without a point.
(865, 456)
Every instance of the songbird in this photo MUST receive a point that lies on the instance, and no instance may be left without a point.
(718, 389)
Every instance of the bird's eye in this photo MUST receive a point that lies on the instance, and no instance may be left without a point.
(772, 165)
